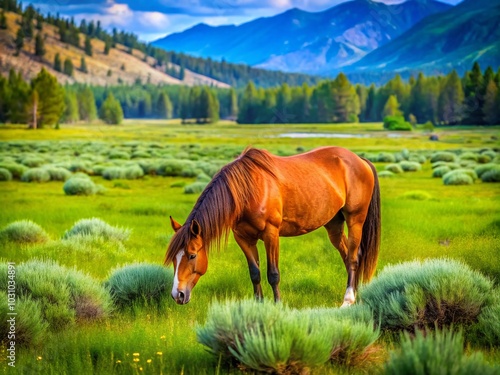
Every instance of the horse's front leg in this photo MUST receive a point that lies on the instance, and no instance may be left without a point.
(271, 241)
(249, 247)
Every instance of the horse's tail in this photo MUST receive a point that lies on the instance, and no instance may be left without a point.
(370, 238)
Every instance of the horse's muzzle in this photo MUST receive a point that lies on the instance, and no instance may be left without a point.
(181, 297)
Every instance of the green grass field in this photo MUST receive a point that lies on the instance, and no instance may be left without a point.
(421, 218)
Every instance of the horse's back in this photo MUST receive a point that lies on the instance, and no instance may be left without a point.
(315, 185)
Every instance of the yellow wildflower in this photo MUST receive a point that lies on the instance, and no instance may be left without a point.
(38, 358)
(118, 361)
(149, 361)
(159, 353)
(136, 359)
(136, 354)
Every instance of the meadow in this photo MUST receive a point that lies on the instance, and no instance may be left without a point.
(421, 218)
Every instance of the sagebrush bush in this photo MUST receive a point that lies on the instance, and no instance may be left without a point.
(487, 330)
(386, 157)
(58, 173)
(176, 168)
(440, 171)
(417, 195)
(417, 158)
(5, 175)
(195, 187)
(15, 169)
(458, 177)
(434, 292)
(274, 338)
(140, 284)
(396, 123)
(410, 166)
(435, 353)
(482, 169)
(469, 156)
(119, 154)
(24, 232)
(63, 295)
(133, 172)
(32, 161)
(385, 174)
(96, 227)
(80, 186)
(202, 177)
(444, 156)
(29, 324)
(178, 184)
(140, 154)
(36, 175)
(491, 175)
(394, 168)
(81, 166)
(113, 173)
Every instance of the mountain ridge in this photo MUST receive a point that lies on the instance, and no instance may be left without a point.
(290, 40)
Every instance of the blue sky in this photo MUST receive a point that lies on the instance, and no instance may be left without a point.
(152, 19)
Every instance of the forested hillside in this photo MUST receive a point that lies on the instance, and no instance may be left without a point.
(112, 57)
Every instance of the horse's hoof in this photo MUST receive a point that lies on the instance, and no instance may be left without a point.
(346, 304)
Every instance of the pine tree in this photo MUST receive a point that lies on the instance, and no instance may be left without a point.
(88, 46)
(5, 97)
(344, 100)
(473, 98)
(249, 105)
(491, 107)
(370, 114)
(391, 107)
(39, 45)
(57, 63)
(451, 100)
(417, 105)
(39, 22)
(164, 106)
(86, 105)
(71, 114)
(111, 111)
(68, 67)
(233, 103)
(18, 92)
(83, 65)
(51, 103)
(3, 20)
(107, 46)
(19, 41)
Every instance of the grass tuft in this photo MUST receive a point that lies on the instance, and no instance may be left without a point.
(140, 284)
(96, 228)
(24, 232)
(419, 295)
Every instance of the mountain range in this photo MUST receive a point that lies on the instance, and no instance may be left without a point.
(453, 39)
(355, 36)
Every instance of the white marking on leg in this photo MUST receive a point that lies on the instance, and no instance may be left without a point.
(349, 297)
(178, 258)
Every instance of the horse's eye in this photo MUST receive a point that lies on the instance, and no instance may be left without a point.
(192, 256)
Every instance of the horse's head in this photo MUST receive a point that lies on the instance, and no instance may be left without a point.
(190, 260)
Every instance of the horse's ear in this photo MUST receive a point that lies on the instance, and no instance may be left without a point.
(195, 228)
(175, 225)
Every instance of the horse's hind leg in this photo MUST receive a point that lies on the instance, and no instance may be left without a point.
(335, 229)
(355, 230)
(249, 247)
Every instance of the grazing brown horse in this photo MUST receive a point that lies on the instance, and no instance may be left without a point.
(260, 196)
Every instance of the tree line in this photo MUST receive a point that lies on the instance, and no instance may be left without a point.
(473, 99)
(236, 75)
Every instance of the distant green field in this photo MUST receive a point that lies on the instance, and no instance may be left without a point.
(421, 218)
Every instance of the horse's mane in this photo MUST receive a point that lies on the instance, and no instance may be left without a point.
(223, 201)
